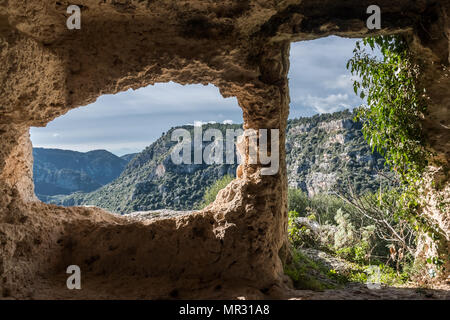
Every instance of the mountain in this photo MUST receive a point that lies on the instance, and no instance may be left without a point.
(324, 152)
(152, 181)
(129, 157)
(62, 172)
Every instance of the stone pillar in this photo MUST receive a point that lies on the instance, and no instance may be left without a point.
(16, 188)
(16, 164)
(261, 216)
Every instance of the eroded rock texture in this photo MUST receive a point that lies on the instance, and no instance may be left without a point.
(235, 246)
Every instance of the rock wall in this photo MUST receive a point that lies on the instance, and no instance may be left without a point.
(235, 246)
(430, 46)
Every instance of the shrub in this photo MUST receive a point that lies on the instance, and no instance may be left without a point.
(212, 191)
(345, 234)
(326, 206)
(303, 231)
(305, 273)
(297, 200)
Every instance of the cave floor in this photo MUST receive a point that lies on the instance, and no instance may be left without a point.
(101, 288)
(105, 286)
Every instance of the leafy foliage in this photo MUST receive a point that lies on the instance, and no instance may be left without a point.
(384, 224)
(306, 273)
(391, 121)
(386, 275)
(298, 200)
(354, 237)
(363, 229)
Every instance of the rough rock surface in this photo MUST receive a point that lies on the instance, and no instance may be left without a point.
(235, 246)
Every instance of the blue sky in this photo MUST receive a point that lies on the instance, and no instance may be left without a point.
(129, 121)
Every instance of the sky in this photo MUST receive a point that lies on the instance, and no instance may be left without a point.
(129, 121)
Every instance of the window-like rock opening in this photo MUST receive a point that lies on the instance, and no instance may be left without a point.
(344, 198)
(116, 153)
(325, 145)
(327, 159)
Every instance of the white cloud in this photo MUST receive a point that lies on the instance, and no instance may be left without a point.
(201, 123)
(318, 78)
(344, 81)
(227, 122)
(328, 104)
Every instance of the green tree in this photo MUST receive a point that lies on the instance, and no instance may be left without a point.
(297, 201)
(391, 121)
(212, 191)
(392, 118)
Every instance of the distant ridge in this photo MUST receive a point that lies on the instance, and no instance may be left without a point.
(129, 157)
(62, 172)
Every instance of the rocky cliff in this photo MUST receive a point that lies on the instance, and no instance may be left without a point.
(326, 152)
